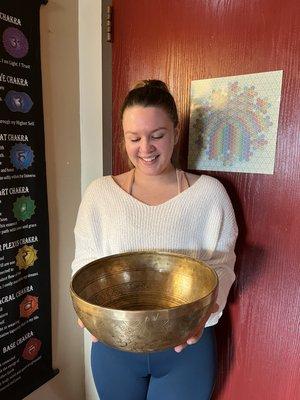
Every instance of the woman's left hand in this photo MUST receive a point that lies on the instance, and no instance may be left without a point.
(196, 335)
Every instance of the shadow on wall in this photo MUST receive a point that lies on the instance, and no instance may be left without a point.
(249, 264)
(248, 267)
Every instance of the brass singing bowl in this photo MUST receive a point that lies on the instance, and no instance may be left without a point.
(143, 301)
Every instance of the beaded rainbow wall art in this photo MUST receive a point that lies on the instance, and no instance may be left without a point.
(233, 123)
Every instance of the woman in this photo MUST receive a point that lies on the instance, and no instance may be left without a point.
(156, 207)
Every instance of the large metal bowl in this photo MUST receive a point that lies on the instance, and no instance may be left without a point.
(143, 301)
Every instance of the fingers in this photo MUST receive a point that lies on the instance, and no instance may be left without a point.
(194, 339)
(215, 308)
(94, 339)
(199, 331)
(191, 340)
(180, 347)
(80, 323)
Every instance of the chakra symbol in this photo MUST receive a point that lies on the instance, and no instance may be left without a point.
(31, 349)
(23, 208)
(18, 101)
(28, 306)
(26, 257)
(15, 42)
(21, 156)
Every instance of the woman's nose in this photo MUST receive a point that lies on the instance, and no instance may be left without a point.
(146, 146)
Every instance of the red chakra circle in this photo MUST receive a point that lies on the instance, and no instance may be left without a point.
(31, 349)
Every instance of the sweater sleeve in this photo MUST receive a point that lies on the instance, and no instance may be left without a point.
(223, 257)
(87, 232)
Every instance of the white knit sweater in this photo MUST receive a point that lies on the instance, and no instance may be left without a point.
(198, 222)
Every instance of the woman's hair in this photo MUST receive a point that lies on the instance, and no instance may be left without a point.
(151, 93)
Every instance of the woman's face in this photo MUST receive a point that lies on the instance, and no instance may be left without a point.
(150, 137)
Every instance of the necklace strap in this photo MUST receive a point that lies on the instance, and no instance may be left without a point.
(130, 180)
(182, 181)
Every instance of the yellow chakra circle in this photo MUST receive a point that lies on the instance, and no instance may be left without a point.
(26, 257)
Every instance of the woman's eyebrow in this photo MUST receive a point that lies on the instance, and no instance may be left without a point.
(154, 130)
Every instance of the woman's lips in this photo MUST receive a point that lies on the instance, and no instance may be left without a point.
(148, 159)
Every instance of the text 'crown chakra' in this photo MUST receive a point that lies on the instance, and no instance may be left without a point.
(23, 208)
(21, 156)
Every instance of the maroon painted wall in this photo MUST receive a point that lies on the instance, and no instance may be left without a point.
(184, 40)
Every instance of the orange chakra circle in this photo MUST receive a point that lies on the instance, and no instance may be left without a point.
(28, 306)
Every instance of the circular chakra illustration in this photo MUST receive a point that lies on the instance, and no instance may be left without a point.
(232, 124)
(21, 156)
(18, 101)
(26, 257)
(28, 306)
(31, 349)
(23, 208)
(15, 42)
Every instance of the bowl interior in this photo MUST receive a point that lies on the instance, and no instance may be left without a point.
(144, 281)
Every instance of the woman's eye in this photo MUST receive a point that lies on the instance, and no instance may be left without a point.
(134, 140)
(158, 137)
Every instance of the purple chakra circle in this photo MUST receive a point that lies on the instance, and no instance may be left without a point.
(15, 42)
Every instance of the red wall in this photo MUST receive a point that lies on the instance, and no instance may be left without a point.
(180, 41)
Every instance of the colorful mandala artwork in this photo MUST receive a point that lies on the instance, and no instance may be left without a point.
(233, 123)
(15, 42)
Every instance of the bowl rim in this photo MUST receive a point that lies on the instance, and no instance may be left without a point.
(156, 310)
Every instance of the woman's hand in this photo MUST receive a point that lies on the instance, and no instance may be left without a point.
(196, 335)
(94, 339)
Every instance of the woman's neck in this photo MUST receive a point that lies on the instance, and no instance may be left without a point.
(154, 189)
(167, 176)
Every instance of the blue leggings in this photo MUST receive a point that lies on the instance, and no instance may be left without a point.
(164, 375)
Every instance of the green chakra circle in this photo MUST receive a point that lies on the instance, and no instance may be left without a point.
(23, 208)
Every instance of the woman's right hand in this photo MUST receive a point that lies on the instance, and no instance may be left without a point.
(80, 323)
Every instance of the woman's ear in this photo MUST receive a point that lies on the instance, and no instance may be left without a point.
(176, 135)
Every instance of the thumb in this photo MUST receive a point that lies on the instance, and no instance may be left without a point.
(215, 308)
(80, 323)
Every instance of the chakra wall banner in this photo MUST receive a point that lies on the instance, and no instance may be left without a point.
(233, 123)
(25, 314)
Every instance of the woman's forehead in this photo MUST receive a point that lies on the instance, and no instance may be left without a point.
(151, 117)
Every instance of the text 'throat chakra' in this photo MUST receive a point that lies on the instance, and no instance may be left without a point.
(23, 208)
(26, 257)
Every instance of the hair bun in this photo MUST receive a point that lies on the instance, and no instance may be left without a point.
(152, 83)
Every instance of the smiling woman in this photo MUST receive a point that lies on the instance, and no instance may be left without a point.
(150, 126)
(156, 207)
(149, 138)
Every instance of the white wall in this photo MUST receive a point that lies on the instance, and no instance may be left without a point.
(60, 69)
(90, 90)
(90, 121)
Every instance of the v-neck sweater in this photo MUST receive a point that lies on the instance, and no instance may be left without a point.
(198, 222)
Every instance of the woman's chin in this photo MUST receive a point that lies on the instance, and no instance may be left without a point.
(153, 169)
